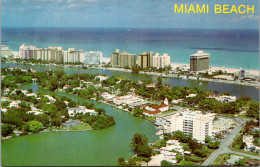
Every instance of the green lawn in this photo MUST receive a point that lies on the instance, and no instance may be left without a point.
(84, 126)
(187, 163)
(242, 151)
(150, 118)
(221, 159)
(159, 143)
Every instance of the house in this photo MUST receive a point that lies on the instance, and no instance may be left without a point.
(191, 95)
(66, 86)
(76, 88)
(31, 94)
(223, 98)
(101, 78)
(22, 91)
(51, 99)
(151, 85)
(34, 112)
(177, 101)
(248, 139)
(154, 110)
(107, 96)
(130, 100)
(15, 103)
(80, 109)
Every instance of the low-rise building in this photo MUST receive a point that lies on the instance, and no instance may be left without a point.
(101, 78)
(130, 100)
(222, 124)
(107, 96)
(224, 98)
(80, 109)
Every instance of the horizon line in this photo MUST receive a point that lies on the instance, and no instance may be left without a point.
(205, 28)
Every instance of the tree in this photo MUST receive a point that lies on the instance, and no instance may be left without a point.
(165, 163)
(214, 145)
(6, 129)
(26, 128)
(144, 151)
(138, 140)
(121, 162)
(216, 92)
(72, 104)
(35, 126)
(241, 162)
(253, 110)
(131, 162)
(135, 69)
(30, 90)
(137, 112)
(179, 157)
(56, 122)
(207, 139)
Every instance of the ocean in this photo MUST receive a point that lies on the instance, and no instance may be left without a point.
(227, 48)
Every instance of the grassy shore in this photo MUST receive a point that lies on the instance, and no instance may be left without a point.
(84, 126)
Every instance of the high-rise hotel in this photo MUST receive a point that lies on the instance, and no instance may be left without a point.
(122, 59)
(161, 61)
(199, 61)
(145, 60)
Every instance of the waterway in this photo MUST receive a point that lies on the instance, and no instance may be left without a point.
(94, 147)
(233, 89)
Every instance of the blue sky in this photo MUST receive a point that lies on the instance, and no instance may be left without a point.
(122, 14)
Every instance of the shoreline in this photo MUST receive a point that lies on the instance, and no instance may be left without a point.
(231, 70)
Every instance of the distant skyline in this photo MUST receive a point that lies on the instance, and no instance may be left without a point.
(122, 14)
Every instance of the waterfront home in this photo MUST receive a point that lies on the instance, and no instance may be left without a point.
(154, 110)
(34, 80)
(130, 100)
(51, 99)
(101, 78)
(223, 98)
(81, 109)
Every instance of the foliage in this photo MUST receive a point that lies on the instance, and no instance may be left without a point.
(144, 151)
(241, 162)
(165, 163)
(6, 129)
(35, 126)
(99, 121)
(214, 145)
(121, 162)
(138, 140)
(253, 110)
(137, 112)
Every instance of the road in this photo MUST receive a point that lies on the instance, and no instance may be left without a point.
(223, 148)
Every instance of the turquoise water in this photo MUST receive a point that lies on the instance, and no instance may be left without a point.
(94, 147)
(228, 48)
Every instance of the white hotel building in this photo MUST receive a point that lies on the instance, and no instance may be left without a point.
(193, 123)
(161, 61)
(93, 57)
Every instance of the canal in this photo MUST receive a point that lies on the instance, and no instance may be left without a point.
(87, 148)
